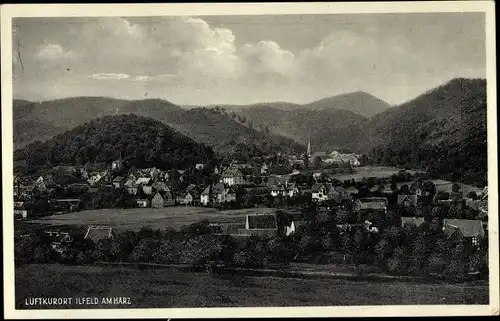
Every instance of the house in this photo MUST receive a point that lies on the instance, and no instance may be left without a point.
(484, 194)
(147, 189)
(143, 181)
(188, 198)
(260, 224)
(217, 192)
(20, 210)
(160, 187)
(224, 194)
(407, 200)
(289, 190)
(157, 200)
(119, 182)
(339, 194)
(370, 203)
(292, 190)
(316, 175)
(199, 166)
(168, 199)
(205, 196)
(117, 164)
(94, 179)
(66, 205)
(131, 186)
(142, 203)
(264, 169)
(415, 221)
(466, 230)
(233, 176)
(417, 187)
(97, 233)
(320, 192)
(277, 190)
(40, 187)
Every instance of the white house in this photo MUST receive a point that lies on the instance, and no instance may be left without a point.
(233, 176)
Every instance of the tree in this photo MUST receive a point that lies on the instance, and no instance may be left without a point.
(472, 195)
(201, 249)
(318, 162)
(145, 250)
(455, 188)
(398, 263)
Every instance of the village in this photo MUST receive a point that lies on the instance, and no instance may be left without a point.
(256, 184)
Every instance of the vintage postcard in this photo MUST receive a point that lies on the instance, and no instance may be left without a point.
(249, 160)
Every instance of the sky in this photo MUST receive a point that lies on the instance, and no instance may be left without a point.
(208, 60)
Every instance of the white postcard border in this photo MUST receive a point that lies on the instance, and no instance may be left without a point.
(73, 10)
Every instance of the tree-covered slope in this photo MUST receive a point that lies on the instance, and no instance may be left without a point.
(443, 131)
(329, 129)
(141, 141)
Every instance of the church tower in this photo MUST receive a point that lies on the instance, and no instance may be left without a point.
(309, 146)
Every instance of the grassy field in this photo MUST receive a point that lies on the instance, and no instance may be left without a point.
(385, 172)
(156, 218)
(442, 185)
(171, 288)
(370, 171)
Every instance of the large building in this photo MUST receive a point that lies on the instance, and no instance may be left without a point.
(233, 176)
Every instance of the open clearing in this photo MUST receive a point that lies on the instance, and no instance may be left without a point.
(157, 218)
(171, 288)
(371, 171)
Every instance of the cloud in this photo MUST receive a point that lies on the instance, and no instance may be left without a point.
(164, 77)
(109, 76)
(267, 57)
(176, 56)
(52, 52)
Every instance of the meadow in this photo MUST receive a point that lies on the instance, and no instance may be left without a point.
(370, 171)
(386, 172)
(172, 288)
(157, 218)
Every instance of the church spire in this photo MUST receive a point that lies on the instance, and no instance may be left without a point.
(309, 146)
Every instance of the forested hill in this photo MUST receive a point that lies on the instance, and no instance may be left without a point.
(329, 128)
(142, 142)
(229, 135)
(443, 131)
(209, 126)
(359, 102)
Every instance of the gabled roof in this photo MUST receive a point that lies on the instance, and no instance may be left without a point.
(315, 188)
(218, 188)
(130, 183)
(143, 180)
(340, 189)
(373, 200)
(206, 191)
(262, 221)
(417, 221)
(231, 172)
(411, 198)
(468, 228)
(118, 179)
(418, 184)
(98, 233)
(161, 186)
(157, 194)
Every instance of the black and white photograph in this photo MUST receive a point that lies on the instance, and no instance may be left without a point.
(174, 157)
